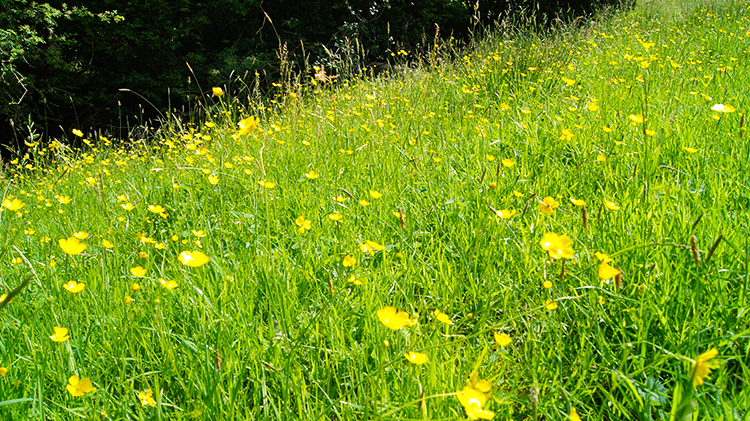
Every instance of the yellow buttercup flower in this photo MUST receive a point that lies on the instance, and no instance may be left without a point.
(611, 205)
(78, 387)
(607, 272)
(442, 317)
(375, 194)
(303, 224)
(550, 305)
(60, 335)
(169, 285)
(247, 125)
(636, 118)
(578, 202)
(72, 246)
(74, 286)
(138, 271)
(701, 368)
(473, 397)
(193, 258)
(416, 357)
(349, 261)
(393, 319)
(574, 415)
(217, 91)
(508, 163)
(147, 398)
(548, 204)
(557, 246)
(13, 205)
(502, 339)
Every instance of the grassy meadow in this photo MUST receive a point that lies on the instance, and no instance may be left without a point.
(547, 227)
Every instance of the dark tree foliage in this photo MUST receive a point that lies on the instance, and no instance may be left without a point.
(64, 67)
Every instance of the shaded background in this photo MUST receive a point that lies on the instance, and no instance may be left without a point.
(63, 66)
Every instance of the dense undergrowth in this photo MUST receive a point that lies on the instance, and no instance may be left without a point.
(565, 215)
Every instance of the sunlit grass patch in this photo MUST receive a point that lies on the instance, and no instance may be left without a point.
(549, 227)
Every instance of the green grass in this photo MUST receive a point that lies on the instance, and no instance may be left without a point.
(272, 327)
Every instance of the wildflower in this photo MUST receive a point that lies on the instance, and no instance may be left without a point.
(416, 357)
(349, 261)
(169, 285)
(578, 202)
(550, 305)
(128, 206)
(601, 158)
(193, 258)
(63, 199)
(611, 205)
(267, 184)
(507, 163)
(502, 339)
(505, 213)
(592, 106)
(72, 246)
(723, 108)
(16, 260)
(335, 216)
(557, 246)
(473, 397)
(135, 287)
(138, 271)
(607, 272)
(701, 368)
(603, 257)
(364, 202)
(636, 119)
(689, 149)
(156, 209)
(574, 415)
(371, 247)
(393, 319)
(375, 194)
(128, 299)
(353, 279)
(399, 215)
(312, 175)
(13, 205)
(147, 398)
(78, 387)
(547, 284)
(81, 235)
(213, 179)
(442, 317)
(74, 286)
(77, 132)
(60, 335)
(650, 132)
(303, 224)
(247, 125)
(566, 134)
(3, 371)
(3, 297)
(217, 91)
(548, 205)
